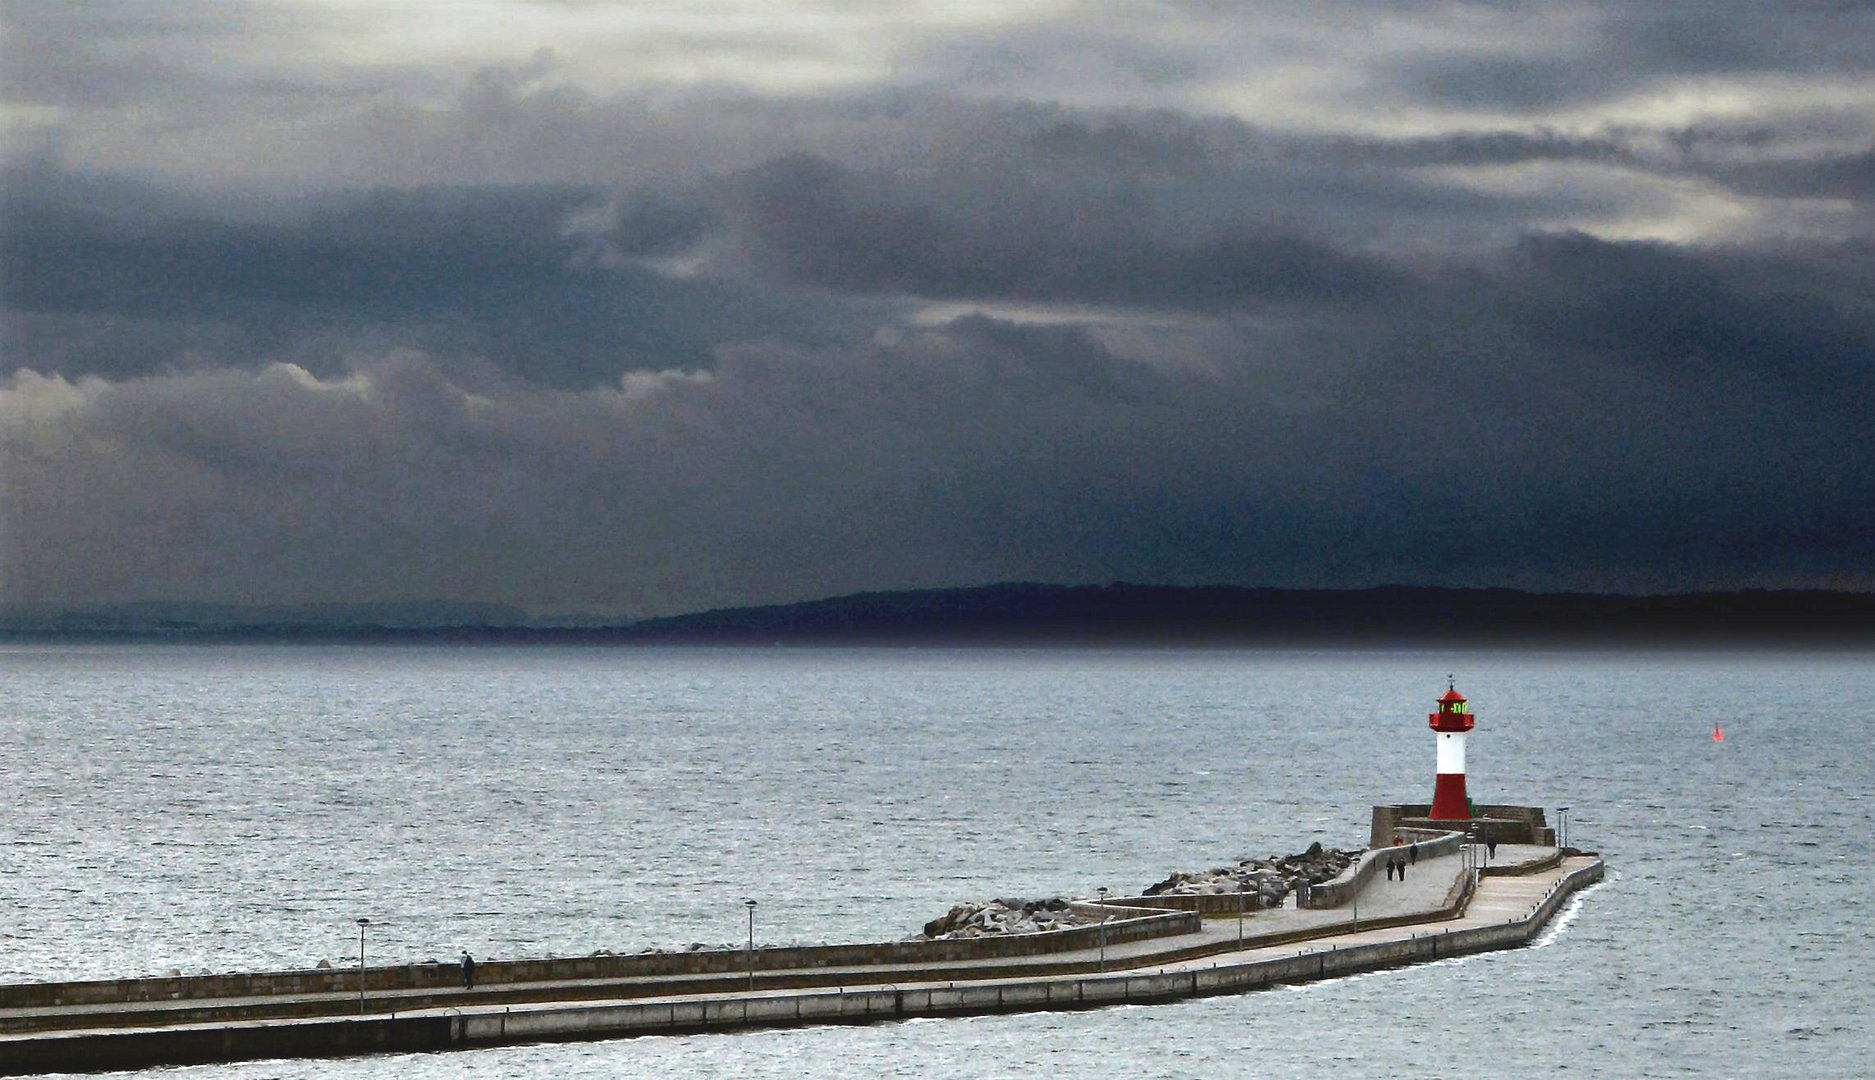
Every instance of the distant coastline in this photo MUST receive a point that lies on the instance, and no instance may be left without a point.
(1017, 614)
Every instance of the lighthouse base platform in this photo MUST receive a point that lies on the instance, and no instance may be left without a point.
(1502, 823)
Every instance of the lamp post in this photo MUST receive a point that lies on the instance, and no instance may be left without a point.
(362, 923)
(1103, 926)
(750, 904)
(1564, 841)
(1240, 902)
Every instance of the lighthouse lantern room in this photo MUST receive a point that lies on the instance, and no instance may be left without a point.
(1449, 725)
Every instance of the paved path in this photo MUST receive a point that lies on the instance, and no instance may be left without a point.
(1498, 900)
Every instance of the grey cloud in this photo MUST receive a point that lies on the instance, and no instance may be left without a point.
(1480, 148)
(1630, 46)
(1706, 315)
(817, 223)
(166, 60)
(1824, 36)
(548, 281)
(1829, 176)
(116, 279)
(514, 339)
(104, 53)
(1517, 426)
(1369, 55)
(1528, 82)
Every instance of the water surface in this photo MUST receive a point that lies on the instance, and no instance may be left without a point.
(231, 808)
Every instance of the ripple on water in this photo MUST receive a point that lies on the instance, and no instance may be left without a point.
(223, 808)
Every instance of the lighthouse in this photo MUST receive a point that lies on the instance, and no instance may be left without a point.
(1449, 726)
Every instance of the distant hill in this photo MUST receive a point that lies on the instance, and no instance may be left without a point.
(1122, 613)
(1017, 613)
(156, 619)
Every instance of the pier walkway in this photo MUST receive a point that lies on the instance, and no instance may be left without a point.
(1430, 915)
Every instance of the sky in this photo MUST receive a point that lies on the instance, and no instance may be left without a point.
(643, 307)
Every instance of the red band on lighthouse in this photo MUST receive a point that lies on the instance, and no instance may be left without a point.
(1448, 798)
(1450, 724)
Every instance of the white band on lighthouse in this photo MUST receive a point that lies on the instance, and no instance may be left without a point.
(1451, 752)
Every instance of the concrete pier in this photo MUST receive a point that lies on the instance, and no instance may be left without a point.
(1442, 909)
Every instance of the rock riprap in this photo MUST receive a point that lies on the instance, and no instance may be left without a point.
(1005, 917)
(1270, 879)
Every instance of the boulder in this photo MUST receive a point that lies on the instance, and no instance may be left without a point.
(1004, 916)
(1270, 879)
(1167, 885)
(952, 920)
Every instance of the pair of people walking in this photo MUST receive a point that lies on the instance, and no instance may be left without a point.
(1396, 866)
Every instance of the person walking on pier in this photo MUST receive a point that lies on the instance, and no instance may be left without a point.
(1412, 854)
(468, 970)
(1389, 868)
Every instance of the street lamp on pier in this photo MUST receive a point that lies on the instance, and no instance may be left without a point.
(1103, 926)
(362, 923)
(1563, 840)
(750, 904)
(1241, 895)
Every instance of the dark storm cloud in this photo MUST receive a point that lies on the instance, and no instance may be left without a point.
(1531, 419)
(1628, 404)
(412, 249)
(1158, 296)
(116, 278)
(1654, 305)
(1480, 148)
(820, 224)
(1611, 49)
(1830, 176)
(558, 282)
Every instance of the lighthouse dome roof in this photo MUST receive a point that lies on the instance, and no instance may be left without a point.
(1451, 696)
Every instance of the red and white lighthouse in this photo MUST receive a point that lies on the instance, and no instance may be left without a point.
(1449, 725)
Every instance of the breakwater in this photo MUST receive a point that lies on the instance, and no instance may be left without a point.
(1183, 955)
(385, 986)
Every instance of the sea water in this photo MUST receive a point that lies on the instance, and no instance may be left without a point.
(227, 808)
